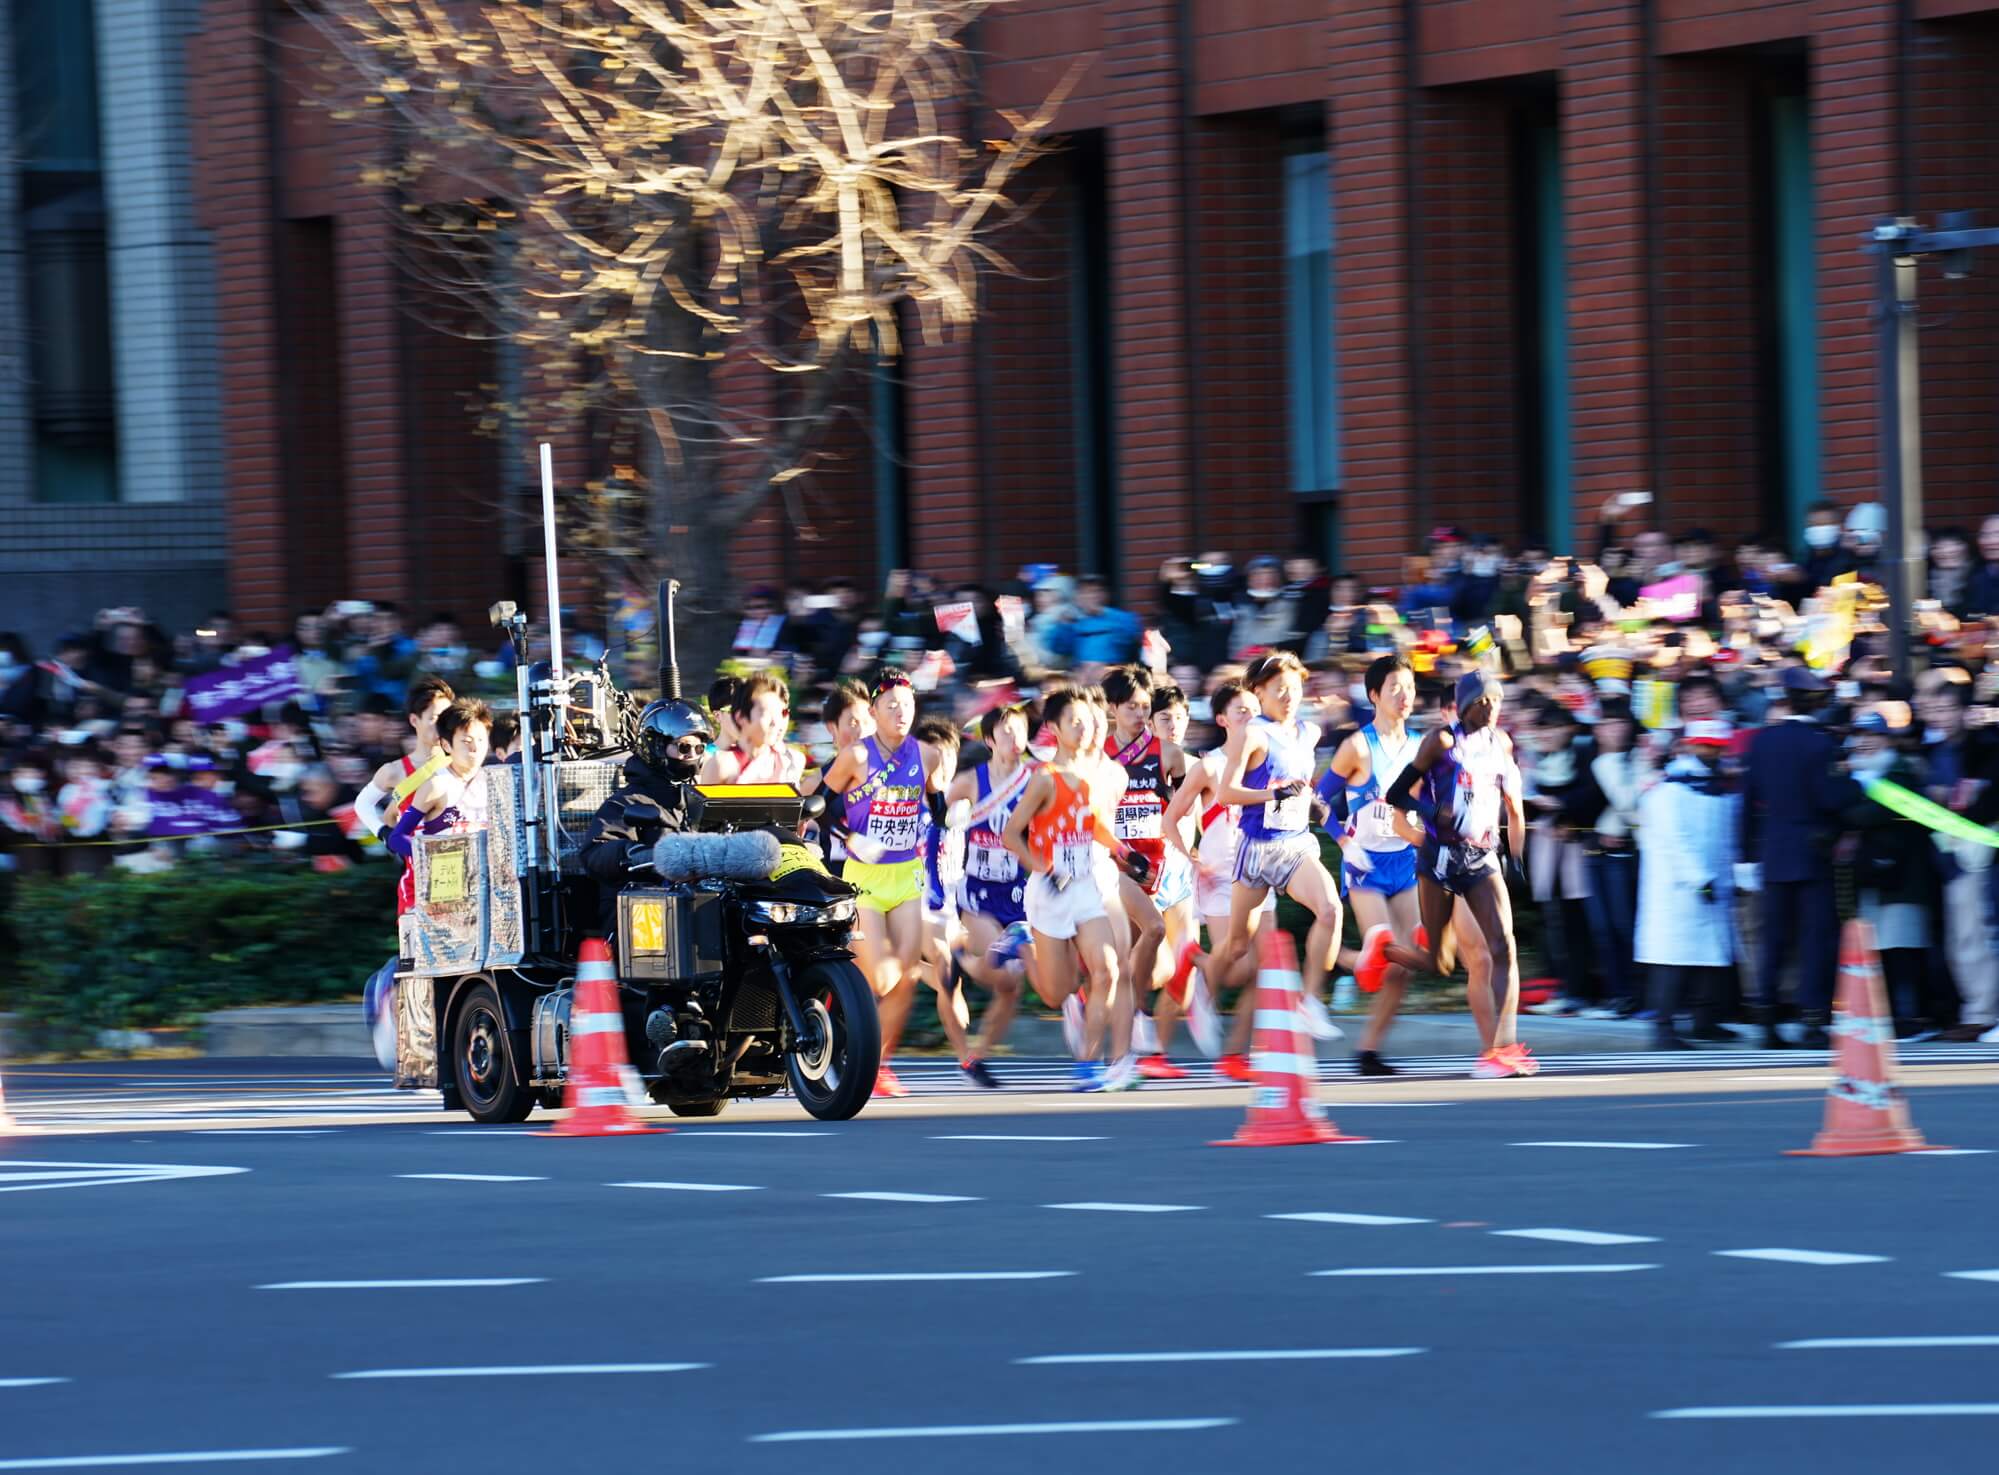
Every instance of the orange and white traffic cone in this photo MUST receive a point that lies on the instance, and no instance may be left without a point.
(1282, 1109)
(593, 1093)
(1865, 1112)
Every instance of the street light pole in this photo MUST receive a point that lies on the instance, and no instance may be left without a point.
(1901, 453)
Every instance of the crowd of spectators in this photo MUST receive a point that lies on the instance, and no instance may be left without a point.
(1646, 675)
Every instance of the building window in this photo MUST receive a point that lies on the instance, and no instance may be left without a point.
(66, 277)
(1308, 301)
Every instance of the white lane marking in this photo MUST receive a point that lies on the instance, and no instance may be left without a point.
(738, 1132)
(1486, 1270)
(404, 1286)
(878, 1277)
(1112, 1208)
(989, 1431)
(191, 1457)
(694, 1187)
(30, 1382)
(1627, 1146)
(1803, 1257)
(26, 1175)
(1382, 1221)
(1831, 1411)
(475, 1177)
(1300, 1354)
(1579, 1236)
(1972, 1274)
(479, 1132)
(1834, 1344)
(1952, 1151)
(1010, 1137)
(264, 1131)
(907, 1198)
(552, 1370)
(1380, 1105)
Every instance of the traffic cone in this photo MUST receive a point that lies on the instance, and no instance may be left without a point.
(1865, 1112)
(1282, 1109)
(592, 1093)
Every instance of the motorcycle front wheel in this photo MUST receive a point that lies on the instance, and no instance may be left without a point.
(832, 1068)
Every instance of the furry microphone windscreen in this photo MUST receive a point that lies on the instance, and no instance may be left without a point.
(746, 857)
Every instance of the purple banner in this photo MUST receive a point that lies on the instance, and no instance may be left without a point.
(190, 810)
(237, 690)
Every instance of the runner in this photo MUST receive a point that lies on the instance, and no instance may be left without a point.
(1380, 865)
(761, 713)
(1267, 768)
(885, 780)
(1460, 785)
(848, 720)
(1056, 831)
(943, 879)
(1220, 837)
(1175, 897)
(722, 709)
(452, 801)
(1139, 821)
(993, 908)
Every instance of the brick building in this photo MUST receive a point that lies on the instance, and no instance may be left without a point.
(1307, 274)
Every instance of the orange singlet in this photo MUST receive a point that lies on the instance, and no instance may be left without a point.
(1063, 832)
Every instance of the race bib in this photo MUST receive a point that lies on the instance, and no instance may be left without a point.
(1375, 825)
(1073, 858)
(1288, 814)
(1139, 822)
(988, 860)
(892, 823)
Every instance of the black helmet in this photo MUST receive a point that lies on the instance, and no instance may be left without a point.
(673, 735)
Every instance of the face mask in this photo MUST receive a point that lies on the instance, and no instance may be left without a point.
(284, 775)
(1484, 568)
(30, 783)
(1873, 765)
(1264, 594)
(1821, 535)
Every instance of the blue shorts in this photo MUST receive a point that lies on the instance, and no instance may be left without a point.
(1393, 872)
(1003, 901)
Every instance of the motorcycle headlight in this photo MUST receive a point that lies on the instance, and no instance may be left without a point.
(802, 914)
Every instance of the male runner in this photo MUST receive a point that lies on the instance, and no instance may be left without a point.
(849, 720)
(993, 909)
(722, 709)
(885, 780)
(1055, 831)
(1380, 866)
(1459, 786)
(943, 882)
(760, 715)
(1267, 769)
(1151, 768)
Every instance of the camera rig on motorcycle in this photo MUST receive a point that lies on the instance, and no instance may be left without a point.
(735, 974)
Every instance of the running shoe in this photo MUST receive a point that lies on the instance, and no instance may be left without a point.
(1183, 967)
(1157, 1067)
(976, 1071)
(886, 1083)
(1370, 1063)
(1203, 1022)
(1144, 1034)
(1010, 944)
(1122, 1076)
(1990, 1037)
(1521, 1058)
(1600, 1011)
(1318, 1019)
(1373, 965)
(1235, 1067)
(1089, 1076)
(1493, 1066)
(1072, 1024)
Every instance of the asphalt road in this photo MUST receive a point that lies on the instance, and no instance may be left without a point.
(1558, 1306)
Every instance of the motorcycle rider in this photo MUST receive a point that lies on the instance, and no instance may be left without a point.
(650, 800)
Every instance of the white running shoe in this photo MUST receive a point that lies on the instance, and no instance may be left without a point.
(1122, 1075)
(1072, 1025)
(1203, 1023)
(1319, 1019)
(1144, 1034)
(1990, 1037)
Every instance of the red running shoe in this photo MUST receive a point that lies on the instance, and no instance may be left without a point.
(1373, 965)
(1182, 966)
(886, 1083)
(1159, 1068)
(1235, 1067)
(1520, 1058)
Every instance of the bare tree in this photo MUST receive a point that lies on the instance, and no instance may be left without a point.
(696, 221)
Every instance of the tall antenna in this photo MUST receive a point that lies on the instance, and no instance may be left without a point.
(669, 650)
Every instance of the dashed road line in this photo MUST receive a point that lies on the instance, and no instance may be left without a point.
(1012, 1137)
(1297, 1354)
(1832, 1411)
(1578, 1236)
(1382, 1221)
(993, 1431)
(30, 1382)
(1375, 1270)
(1803, 1257)
(457, 1283)
(546, 1371)
(694, 1187)
(886, 1197)
(1838, 1344)
(1992, 1275)
(1115, 1208)
(1621, 1146)
(475, 1177)
(868, 1277)
(189, 1457)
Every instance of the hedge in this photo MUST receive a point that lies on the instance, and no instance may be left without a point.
(119, 951)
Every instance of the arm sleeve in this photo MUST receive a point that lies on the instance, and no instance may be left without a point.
(1401, 794)
(401, 840)
(368, 805)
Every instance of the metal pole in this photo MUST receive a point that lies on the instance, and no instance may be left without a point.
(548, 558)
(1900, 450)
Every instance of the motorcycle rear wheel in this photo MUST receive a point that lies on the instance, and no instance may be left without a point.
(833, 1071)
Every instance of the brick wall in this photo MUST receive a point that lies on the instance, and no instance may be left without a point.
(1957, 140)
(1249, 507)
(1465, 154)
(1708, 316)
(1378, 513)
